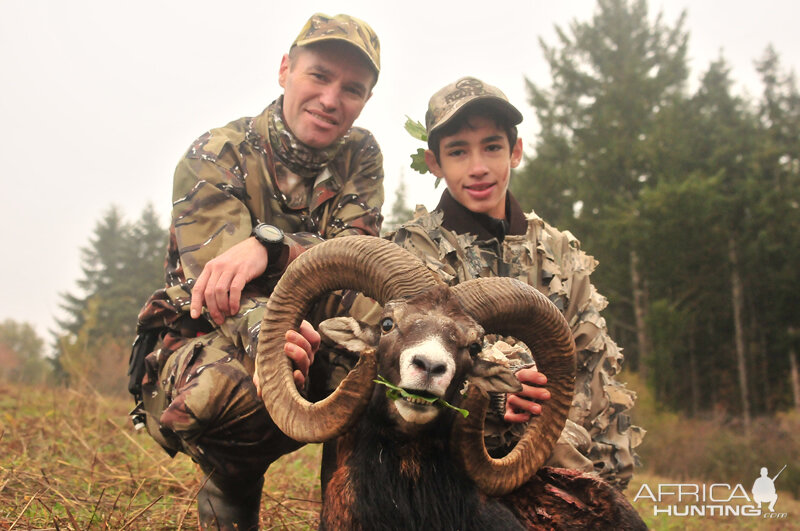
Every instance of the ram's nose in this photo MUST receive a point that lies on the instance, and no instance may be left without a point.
(430, 367)
(427, 365)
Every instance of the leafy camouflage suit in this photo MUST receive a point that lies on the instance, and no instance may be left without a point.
(460, 245)
(598, 435)
(197, 389)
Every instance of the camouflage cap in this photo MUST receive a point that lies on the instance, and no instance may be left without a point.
(465, 92)
(321, 27)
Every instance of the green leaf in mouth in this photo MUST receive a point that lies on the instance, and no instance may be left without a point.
(394, 392)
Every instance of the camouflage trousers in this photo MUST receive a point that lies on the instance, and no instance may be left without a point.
(200, 400)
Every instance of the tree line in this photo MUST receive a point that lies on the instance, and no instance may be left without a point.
(689, 199)
(121, 266)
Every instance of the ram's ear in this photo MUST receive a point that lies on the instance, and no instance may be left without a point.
(493, 377)
(349, 334)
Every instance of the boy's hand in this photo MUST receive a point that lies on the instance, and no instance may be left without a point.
(300, 348)
(520, 406)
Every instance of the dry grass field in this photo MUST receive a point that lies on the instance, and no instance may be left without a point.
(71, 460)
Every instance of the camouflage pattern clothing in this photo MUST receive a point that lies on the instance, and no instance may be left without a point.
(598, 435)
(197, 389)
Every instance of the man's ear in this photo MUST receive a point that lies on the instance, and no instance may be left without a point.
(284, 70)
(433, 166)
(516, 153)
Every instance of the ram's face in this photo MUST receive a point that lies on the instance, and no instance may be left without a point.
(427, 349)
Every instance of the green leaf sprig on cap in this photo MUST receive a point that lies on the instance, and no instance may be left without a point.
(418, 164)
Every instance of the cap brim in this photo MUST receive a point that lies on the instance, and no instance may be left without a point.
(323, 38)
(496, 103)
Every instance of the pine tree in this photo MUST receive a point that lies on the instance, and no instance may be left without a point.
(691, 203)
(729, 142)
(121, 266)
(400, 213)
(776, 218)
(102, 261)
(611, 77)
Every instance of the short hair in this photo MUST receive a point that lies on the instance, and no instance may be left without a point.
(294, 51)
(462, 121)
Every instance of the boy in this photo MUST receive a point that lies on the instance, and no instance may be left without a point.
(477, 230)
(473, 145)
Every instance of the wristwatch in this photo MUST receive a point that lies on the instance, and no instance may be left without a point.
(271, 237)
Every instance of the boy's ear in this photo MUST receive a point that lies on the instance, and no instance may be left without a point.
(433, 166)
(516, 153)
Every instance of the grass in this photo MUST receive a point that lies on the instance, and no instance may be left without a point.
(71, 460)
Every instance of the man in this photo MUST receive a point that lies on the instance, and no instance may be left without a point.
(478, 230)
(248, 198)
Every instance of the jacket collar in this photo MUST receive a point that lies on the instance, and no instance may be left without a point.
(462, 220)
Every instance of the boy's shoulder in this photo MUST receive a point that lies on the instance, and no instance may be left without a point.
(459, 257)
(440, 249)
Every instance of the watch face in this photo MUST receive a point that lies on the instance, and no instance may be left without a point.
(270, 233)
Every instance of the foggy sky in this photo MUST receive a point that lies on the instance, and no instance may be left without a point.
(101, 98)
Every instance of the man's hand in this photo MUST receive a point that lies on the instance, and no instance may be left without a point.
(220, 284)
(520, 406)
(300, 348)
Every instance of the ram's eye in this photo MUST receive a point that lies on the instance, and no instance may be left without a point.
(387, 325)
(475, 349)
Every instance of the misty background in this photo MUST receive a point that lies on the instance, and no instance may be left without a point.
(101, 98)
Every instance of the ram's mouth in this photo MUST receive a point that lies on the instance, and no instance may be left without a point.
(416, 396)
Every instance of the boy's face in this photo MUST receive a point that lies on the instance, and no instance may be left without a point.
(476, 164)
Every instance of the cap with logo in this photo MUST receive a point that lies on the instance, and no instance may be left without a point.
(467, 91)
(321, 27)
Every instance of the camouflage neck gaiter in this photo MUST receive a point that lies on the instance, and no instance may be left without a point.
(290, 151)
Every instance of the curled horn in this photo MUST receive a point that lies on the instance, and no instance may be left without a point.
(375, 267)
(509, 307)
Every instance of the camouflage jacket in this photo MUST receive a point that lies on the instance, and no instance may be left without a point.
(598, 435)
(245, 173)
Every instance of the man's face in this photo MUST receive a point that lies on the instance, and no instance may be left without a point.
(476, 164)
(325, 88)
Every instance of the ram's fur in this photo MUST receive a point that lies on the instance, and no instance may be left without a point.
(395, 469)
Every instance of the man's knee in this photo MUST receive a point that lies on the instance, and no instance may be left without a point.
(207, 386)
(216, 413)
